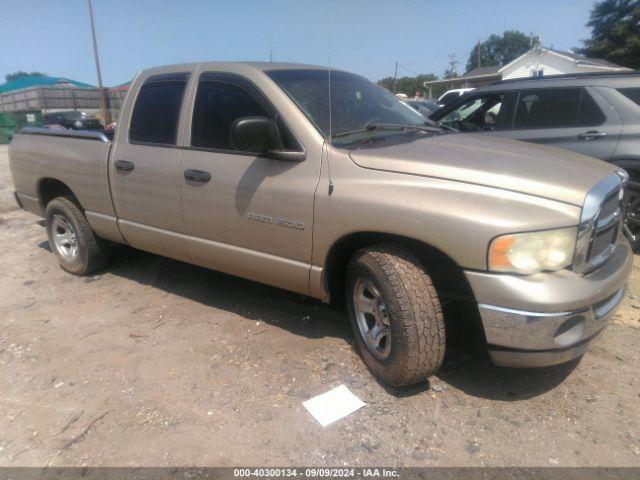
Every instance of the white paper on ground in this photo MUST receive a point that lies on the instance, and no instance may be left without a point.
(333, 405)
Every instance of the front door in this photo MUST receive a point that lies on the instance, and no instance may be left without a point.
(145, 168)
(244, 213)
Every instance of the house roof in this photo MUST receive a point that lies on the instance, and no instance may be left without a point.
(574, 57)
(582, 59)
(482, 71)
(28, 82)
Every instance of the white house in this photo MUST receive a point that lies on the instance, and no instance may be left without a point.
(538, 61)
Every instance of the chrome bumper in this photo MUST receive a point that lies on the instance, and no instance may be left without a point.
(548, 318)
(530, 339)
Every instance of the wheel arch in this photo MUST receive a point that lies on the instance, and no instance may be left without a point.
(447, 275)
(49, 188)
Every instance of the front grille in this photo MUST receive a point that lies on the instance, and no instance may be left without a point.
(602, 240)
(606, 229)
(609, 207)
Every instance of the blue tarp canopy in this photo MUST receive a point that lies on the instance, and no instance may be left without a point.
(28, 82)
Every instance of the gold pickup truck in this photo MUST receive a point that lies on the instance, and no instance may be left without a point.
(320, 182)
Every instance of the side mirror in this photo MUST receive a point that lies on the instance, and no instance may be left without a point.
(255, 134)
(261, 135)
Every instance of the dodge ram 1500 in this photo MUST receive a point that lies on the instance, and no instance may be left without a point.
(320, 182)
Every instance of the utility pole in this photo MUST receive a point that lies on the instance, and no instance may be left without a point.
(395, 78)
(478, 52)
(453, 72)
(270, 55)
(103, 110)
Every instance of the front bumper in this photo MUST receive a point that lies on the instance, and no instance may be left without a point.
(548, 318)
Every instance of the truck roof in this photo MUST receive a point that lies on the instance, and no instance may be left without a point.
(257, 66)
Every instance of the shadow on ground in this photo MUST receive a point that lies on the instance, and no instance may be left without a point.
(466, 367)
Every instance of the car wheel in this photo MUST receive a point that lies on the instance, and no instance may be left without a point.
(71, 238)
(632, 214)
(395, 314)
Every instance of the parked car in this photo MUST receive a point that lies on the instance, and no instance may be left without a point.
(593, 114)
(423, 107)
(452, 96)
(72, 119)
(240, 168)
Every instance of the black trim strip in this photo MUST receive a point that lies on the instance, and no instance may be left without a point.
(80, 134)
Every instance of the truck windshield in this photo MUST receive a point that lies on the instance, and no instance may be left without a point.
(356, 103)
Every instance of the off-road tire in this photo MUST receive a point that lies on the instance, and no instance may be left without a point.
(92, 251)
(414, 312)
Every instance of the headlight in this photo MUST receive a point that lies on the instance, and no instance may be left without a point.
(533, 252)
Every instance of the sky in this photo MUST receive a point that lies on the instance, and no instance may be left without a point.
(366, 37)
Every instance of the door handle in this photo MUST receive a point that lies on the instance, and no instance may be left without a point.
(591, 135)
(197, 175)
(125, 165)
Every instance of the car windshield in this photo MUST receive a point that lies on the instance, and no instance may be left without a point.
(356, 103)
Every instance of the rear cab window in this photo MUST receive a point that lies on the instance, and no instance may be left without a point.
(156, 112)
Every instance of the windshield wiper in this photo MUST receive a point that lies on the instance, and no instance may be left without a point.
(372, 127)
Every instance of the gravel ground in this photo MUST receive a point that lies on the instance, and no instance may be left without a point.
(154, 362)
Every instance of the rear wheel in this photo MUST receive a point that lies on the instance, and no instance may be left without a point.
(395, 314)
(71, 238)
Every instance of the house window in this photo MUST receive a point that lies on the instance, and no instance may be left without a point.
(537, 72)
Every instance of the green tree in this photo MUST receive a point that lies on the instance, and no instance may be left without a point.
(407, 85)
(499, 50)
(615, 32)
(12, 76)
(450, 73)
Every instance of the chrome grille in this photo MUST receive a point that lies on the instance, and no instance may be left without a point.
(609, 207)
(607, 225)
(602, 240)
(600, 223)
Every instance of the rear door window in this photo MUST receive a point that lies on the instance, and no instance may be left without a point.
(156, 112)
(550, 108)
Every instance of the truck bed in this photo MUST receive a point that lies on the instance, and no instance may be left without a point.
(77, 158)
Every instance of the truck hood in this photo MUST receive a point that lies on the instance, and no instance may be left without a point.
(528, 168)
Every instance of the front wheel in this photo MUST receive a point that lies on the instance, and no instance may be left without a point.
(395, 314)
(71, 238)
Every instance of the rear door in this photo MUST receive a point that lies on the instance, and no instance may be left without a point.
(245, 214)
(145, 167)
(574, 118)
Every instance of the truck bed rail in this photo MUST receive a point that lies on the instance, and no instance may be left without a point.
(55, 132)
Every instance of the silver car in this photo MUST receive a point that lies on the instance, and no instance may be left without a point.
(594, 114)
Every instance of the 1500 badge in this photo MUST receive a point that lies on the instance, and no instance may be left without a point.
(283, 222)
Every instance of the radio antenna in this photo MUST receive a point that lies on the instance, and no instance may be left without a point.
(329, 142)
